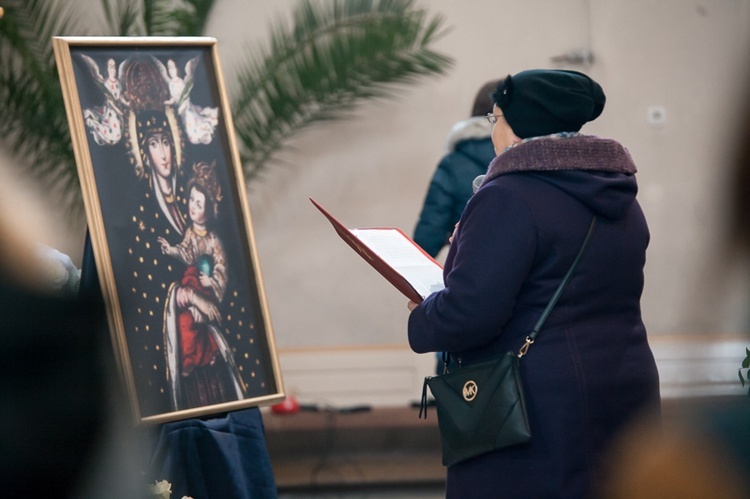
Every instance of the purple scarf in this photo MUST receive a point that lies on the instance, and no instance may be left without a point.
(562, 152)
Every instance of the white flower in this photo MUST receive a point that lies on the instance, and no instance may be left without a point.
(55, 273)
(161, 490)
(59, 271)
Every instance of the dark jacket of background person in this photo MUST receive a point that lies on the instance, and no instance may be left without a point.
(469, 153)
(591, 368)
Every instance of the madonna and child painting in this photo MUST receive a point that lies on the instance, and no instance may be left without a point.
(169, 226)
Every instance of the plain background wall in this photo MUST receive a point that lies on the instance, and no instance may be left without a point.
(684, 57)
(373, 169)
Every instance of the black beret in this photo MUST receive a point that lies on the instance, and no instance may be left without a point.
(545, 101)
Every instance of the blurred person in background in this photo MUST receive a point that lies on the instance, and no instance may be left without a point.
(469, 152)
(65, 433)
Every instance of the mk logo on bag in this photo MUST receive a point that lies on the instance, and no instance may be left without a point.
(472, 423)
(470, 390)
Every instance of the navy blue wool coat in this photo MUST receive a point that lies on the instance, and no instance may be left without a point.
(591, 369)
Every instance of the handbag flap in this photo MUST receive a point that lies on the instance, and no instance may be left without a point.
(464, 395)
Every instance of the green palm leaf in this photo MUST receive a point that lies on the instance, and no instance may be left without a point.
(157, 17)
(332, 56)
(33, 121)
(191, 18)
(124, 17)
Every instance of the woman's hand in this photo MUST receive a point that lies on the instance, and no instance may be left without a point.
(450, 239)
(412, 305)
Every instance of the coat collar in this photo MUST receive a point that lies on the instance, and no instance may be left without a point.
(567, 151)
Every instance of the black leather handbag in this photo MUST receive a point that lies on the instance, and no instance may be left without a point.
(481, 407)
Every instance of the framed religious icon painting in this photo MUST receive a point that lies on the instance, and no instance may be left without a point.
(169, 224)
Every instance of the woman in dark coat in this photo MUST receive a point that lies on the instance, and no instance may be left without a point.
(591, 369)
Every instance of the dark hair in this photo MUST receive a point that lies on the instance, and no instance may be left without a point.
(151, 122)
(483, 101)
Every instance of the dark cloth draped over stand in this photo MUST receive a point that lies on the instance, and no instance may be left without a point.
(220, 457)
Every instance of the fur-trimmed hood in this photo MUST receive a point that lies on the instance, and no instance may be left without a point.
(474, 128)
(598, 172)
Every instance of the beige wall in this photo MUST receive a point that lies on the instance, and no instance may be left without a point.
(373, 169)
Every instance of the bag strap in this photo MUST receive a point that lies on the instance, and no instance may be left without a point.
(534, 332)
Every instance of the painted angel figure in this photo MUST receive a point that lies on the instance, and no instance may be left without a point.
(105, 122)
(199, 122)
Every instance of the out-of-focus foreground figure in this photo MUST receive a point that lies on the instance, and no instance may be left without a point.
(62, 417)
(703, 449)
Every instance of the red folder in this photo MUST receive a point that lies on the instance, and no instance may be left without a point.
(415, 287)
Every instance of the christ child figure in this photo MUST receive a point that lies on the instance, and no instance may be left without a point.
(204, 282)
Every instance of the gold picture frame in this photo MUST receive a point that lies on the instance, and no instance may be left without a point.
(169, 224)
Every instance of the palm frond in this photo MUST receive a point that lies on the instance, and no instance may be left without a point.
(124, 18)
(32, 115)
(154, 19)
(191, 19)
(157, 17)
(181, 18)
(333, 55)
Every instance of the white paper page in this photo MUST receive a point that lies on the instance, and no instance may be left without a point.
(421, 271)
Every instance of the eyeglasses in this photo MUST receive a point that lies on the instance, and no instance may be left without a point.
(492, 118)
